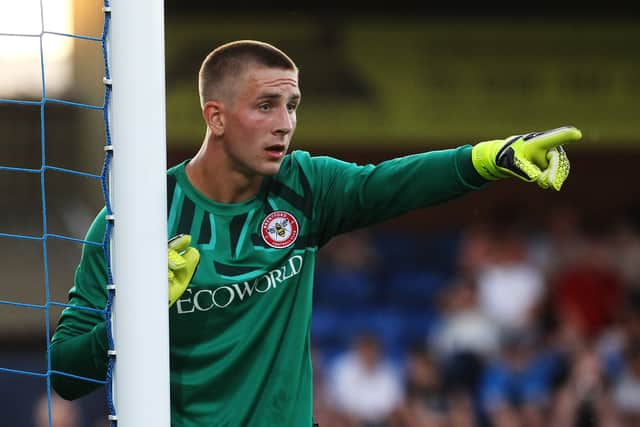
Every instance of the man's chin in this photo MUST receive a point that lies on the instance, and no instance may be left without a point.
(272, 169)
(268, 165)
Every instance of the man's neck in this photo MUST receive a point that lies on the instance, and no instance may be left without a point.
(212, 176)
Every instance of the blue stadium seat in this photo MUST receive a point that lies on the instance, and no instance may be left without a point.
(325, 327)
(414, 290)
(418, 326)
(344, 288)
(405, 251)
(397, 251)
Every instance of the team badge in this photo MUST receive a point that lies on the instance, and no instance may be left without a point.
(279, 229)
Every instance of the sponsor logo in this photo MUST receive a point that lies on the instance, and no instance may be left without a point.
(279, 229)
(222, 296)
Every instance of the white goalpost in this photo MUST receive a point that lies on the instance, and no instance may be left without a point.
(138, 196)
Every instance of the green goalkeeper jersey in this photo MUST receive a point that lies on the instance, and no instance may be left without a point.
(240, 334)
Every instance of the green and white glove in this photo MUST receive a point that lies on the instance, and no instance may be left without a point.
(183, 261)
(536, 156)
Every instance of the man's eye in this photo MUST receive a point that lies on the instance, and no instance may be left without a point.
(292, 107)
(264, 107)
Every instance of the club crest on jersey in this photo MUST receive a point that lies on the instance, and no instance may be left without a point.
(279, 229)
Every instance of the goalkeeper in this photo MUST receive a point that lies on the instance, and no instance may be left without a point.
(250, 216)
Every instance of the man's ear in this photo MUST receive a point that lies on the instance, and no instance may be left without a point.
(213, 114)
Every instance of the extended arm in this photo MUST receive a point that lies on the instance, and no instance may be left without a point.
(353, 196)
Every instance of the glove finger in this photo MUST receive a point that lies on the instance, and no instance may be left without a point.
(558, 170)
(180, 242)
(561, 172)
(191, 257)
(554, 158)
(176, 288)
(544, 184)
(528, 168)
(552, 138)
(543, 179)
(176, 261)
(184, 275)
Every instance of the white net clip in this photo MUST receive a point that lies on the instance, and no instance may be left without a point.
(111, 287)
(106, 9)
(113, 417)
(110, 217)
(108, 148)
(106, 81)
(111, 353)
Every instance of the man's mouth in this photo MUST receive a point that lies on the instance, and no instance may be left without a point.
(276, 149)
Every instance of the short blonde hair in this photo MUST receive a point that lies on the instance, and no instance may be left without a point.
(231, 60)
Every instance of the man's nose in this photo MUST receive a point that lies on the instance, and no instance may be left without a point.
(285, 122)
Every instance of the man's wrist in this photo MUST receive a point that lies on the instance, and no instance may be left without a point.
(483, 157)
(466, 168)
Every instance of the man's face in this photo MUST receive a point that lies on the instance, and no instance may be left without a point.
(261, 119)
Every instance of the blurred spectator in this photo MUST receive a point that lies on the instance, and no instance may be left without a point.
(587, 294)
(462, 410)
(427, 401)
(64, 413)
(560, 242)
(626, 389)
(475, 249)
(464, 327)
(464, 340)
(510, 288)
(324, 412)
(364, 386)
(614, 343)
(583, 400)
(516, 385)
(624, 250)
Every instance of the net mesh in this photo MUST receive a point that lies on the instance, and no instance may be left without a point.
(46, 237)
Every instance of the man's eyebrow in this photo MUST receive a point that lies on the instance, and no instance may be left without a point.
(269, 96)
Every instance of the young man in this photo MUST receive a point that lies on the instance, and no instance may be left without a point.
(254, 217)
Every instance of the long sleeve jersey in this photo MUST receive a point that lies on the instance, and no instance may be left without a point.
(240, 333)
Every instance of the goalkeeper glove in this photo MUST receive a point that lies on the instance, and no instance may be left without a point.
(536, 156)
(183, 261)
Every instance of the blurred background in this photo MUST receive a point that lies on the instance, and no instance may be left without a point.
(511, 306)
